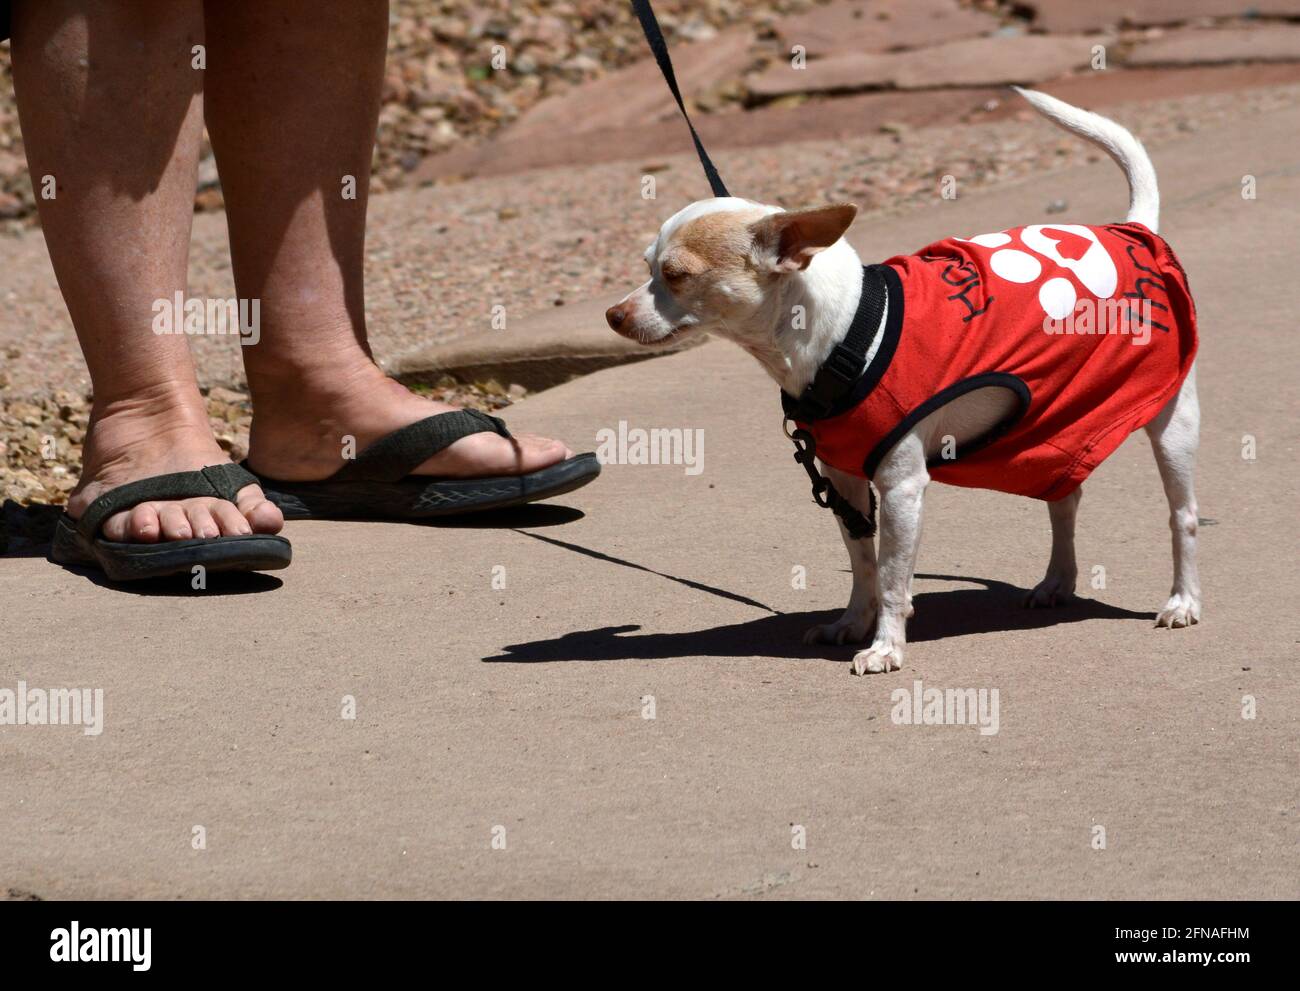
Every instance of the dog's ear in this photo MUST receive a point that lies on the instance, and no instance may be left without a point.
(789, 240)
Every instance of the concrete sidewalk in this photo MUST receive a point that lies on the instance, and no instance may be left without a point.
(518, 711)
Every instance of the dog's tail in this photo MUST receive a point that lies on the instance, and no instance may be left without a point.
(1143, 194)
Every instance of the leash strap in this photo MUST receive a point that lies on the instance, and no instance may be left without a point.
(825, 495)
(845, 363)
(655, 38)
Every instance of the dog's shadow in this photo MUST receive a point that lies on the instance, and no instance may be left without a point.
(992, 607)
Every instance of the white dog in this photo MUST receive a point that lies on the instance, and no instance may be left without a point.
(989, 379)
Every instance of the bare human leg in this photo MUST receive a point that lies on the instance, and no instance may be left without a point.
(111, 109)
(292, 99)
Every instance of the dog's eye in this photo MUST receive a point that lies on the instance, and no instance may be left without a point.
(674, 275)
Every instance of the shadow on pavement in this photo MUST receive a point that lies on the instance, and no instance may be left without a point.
(601, 556)
(533, 514)
(536, 514)
(993, 607)
(26, 531)
(218, 583)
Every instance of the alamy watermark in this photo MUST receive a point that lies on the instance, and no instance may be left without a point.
(91, 945)
(53, 707)
(209, 317)
(1105, 316)
(655, 446)
(923, 706)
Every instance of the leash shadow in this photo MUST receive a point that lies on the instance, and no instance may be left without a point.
(989, 607)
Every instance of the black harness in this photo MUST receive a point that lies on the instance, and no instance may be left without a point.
(833, 390)
(837, 379)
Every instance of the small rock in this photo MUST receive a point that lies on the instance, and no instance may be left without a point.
(230, 397)
(209, 200)
(208, 177)
(27, 414)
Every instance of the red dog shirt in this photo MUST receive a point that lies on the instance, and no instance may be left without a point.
(1093, 328)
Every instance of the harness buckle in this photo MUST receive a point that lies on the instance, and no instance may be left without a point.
(844, 365)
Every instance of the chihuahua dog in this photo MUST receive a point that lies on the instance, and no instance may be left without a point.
(1016, 361)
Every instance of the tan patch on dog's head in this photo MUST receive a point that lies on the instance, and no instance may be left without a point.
(717, 241)
(714, 243)
(706, 264)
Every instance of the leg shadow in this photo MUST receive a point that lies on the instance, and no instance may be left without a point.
(992, 607)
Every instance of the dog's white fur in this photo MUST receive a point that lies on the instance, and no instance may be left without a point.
(718, 266)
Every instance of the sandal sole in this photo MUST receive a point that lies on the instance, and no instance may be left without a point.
(419, 499)
(134, 562)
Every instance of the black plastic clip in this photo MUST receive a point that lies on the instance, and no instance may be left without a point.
(824, 493)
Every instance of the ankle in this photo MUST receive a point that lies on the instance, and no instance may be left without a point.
(304, 430)
(160, 401)
(161, 424)
(332, 391)
(318, 377)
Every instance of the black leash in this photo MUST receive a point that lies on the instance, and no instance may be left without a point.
(655, 38)
(825, 494)
(845, 363)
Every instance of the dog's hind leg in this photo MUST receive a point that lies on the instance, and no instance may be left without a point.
(1174, 437)
(1057, 587)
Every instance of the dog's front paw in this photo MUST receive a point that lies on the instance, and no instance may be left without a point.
(877, 659)
(1052, 591)
(849, 628)
(1181, 610)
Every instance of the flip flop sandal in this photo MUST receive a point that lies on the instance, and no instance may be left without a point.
(78, 541)
(378, 484)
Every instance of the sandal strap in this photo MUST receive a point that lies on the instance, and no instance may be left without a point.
(219, 481)
(394, 457)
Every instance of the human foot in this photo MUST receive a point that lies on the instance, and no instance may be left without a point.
(146, 436)
(305, 435)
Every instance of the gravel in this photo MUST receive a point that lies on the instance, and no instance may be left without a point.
(441, 257)
(441, 86)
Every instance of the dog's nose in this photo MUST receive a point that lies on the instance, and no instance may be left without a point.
(615, 316)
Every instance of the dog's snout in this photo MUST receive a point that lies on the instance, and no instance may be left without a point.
(615, 315)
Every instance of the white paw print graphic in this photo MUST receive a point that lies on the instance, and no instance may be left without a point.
(1070, 246)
